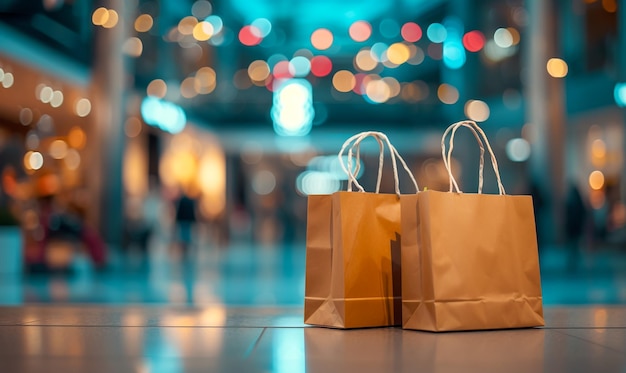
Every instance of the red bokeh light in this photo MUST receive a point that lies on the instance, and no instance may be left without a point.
(249, 35)
(411, 32)
(359, 86)
(321, 66)
(281, 70)
(474, 41)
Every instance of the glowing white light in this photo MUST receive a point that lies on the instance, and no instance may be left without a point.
(35, 160)
(315, 182)
(292, 111)
(518, 150)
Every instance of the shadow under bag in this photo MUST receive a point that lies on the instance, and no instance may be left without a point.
(469, 261)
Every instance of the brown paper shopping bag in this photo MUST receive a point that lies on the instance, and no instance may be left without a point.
(352, 251)
(469, 261)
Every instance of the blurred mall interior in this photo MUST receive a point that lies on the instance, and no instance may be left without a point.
(156, 157)
(162, 151)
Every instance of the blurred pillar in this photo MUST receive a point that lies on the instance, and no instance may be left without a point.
(545, 110)
(107, 142)
(621, 77)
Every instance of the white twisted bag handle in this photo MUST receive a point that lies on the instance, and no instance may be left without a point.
(447, 157)
(354, 144)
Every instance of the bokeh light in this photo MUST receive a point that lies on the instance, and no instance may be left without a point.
(299, 66)
(596, 180)
(474, 41)
(436, 33)
(518, 150)
(250, 36)
(58, 149)
(186, 25)
(201, 9)
(322, 39)
(188, 87)
(26, 116)
(411, 32)
(258, 70)
(203, 31)
(133, 47)
(360, 31)
(377, 91)
(344, 81)
(321, 66)
(448, 94)
(144, 23)
(398, 53)
(281, 70)
(619, 94)
(216, 22)
(503, 38)
(100, 16)
(364, 60)
(112, 19)
(477, 110)
(206, 80)
(76, 138)
(132, 127)
(557, 68)
(157, 88)
(263, 26)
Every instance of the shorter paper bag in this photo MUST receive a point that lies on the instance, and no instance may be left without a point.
(469, 261)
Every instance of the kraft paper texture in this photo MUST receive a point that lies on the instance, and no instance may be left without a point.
(469, 262)
(353, 260)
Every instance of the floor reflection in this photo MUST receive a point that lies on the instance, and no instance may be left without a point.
(250, 275)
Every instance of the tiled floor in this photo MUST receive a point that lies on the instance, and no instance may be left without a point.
(240, 310)
(258, 339)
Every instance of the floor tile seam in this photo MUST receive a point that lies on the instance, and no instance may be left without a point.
(159, 326)
(253, 345)
(592, 342)
(584, 327)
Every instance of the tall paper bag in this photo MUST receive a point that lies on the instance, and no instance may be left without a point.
(469, 261)
(352, 257)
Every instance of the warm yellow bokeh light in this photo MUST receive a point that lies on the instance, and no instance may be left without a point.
(557, 68)
(144, 23)
(112, 19)
(596, 180)
(398, 53)
(203, 31)
(258, 70)
(322, 39)
(76, 138)
(344, 81)
(100, 16)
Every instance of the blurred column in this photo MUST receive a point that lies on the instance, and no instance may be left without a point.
(621, 77)
(107, 141)
(545, 110)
